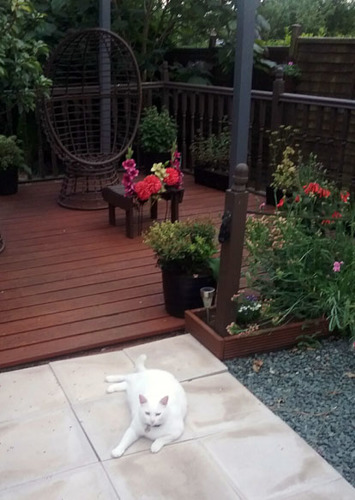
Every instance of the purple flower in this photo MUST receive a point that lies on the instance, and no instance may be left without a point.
(337, 265)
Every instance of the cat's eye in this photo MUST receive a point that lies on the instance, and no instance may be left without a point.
(147, 413)
(157, 414)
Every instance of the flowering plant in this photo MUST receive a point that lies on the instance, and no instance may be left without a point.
(154, 184)
(302, 258)
(291, 69)
(249, 311)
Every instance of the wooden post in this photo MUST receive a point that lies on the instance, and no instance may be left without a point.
(165, 78)
(235, 212)
(295, 33)
(278, 88)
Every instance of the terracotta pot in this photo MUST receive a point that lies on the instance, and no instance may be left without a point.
(269, 339)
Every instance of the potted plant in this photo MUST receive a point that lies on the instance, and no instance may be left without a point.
(11, 160)
(211, 159)
(300, 264)
(157, 136)
(184, 251)
(292, 74)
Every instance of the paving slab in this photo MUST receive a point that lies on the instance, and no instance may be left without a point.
(84, 483)
(41, 444)
(182, 355)
(58, 427)
(183, 470)
(28, 391)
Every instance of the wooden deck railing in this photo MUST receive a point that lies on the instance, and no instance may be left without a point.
(326, 126)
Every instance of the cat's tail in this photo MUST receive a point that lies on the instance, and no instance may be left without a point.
(139, 364)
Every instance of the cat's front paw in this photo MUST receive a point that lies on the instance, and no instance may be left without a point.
(117, 452)
(110, 378)
(156, 446)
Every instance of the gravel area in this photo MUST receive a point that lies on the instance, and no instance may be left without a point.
(313, 391)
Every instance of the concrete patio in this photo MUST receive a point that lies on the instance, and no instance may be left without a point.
(58, 427)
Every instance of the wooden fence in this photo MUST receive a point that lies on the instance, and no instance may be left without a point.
(326, 125)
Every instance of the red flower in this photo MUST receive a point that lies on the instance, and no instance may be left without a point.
(345, 197)
(336, 215)
(326, 221)
(297, 199)
(314, 187)
(172, 177)
(142, 190)
(153, 183)
(281, 202)
(325, 193)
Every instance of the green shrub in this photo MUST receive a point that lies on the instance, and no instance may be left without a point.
(185, 247)
(11, 154)
(158, 131)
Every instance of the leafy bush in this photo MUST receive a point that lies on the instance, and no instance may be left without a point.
(212, 152)
(303, 259)
(11, 154)
(185, 247)
(158, 130)
(21, 55)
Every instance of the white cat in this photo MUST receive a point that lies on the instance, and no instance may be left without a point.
(158, 406)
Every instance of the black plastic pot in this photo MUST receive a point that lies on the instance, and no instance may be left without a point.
(148, 159)
(182, 292)
(270, 195)
(211, 179)
(8, 181)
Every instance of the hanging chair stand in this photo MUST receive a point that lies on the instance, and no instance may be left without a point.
(92, 113)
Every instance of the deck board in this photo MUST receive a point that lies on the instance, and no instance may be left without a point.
(71, 282)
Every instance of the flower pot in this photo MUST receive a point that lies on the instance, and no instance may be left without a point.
(268, 339)
(149, 158)
(182, 292)
(8, 181)
(209, 178)
(270, 195)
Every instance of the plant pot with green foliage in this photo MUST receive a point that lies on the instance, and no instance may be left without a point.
(11, 161)
(211, 159)
(185, 253)
(157, 136)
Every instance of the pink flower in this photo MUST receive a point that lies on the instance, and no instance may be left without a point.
(337, 265)
(262, 205)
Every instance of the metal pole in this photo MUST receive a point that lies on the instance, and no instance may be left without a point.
(236, 201)
(105, 79)
(243, 65)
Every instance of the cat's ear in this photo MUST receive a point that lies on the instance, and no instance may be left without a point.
(142, 399)
(164, 400)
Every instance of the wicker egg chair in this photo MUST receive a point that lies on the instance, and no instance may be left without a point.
(92, 113)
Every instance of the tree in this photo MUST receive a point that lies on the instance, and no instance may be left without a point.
(326, 17)
(21, 55)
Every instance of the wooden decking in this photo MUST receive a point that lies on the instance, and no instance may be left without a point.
(70, 282)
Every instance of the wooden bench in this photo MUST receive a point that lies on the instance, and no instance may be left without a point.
(115, 197)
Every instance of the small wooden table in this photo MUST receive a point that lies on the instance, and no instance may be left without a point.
(115, 197)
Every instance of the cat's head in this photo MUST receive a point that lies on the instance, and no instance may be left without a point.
(152, 413)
